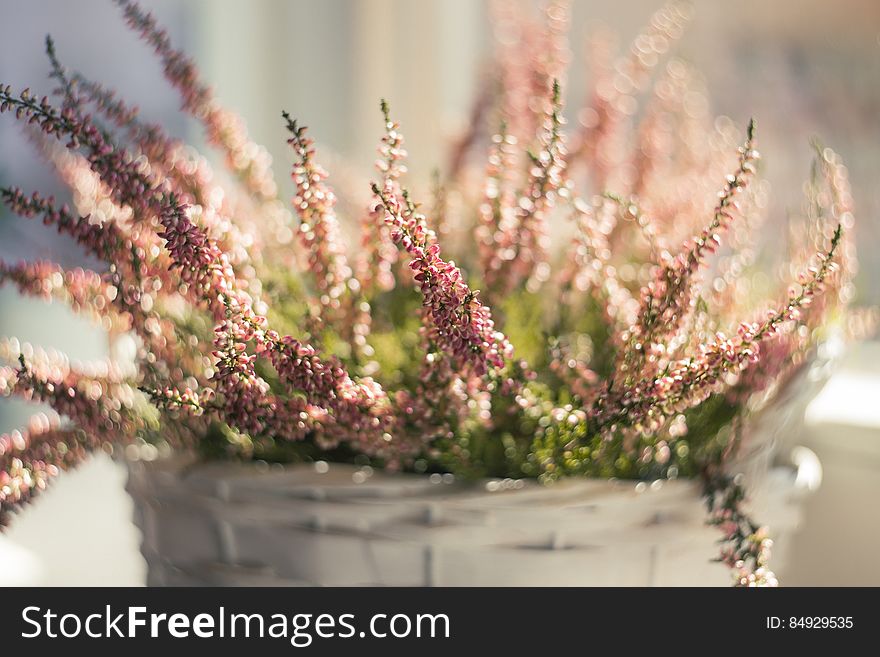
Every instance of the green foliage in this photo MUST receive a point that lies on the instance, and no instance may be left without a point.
(524, 315)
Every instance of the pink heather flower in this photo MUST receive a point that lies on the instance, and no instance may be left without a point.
(601, 142)
(84, 291)
(745, 547)
(497, 231)
(667, 300)
(31, 458)
(130, 244)
(646, 405)
(128, 184)
(459, 324)
(319, 228)
(201, 263)
(532, 54)
(188, 173)
(208, 275)
(28, 461)
(544, 181)
(356, 412)
(589, 267)
(130, 285)
(224, 129)
(379, 253)
(106, 242)
(442, 400)
(99, 404)
(240, 397)
(838, 202)
(341, 408)
(204, 268)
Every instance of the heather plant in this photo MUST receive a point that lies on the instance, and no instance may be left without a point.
(607, 324)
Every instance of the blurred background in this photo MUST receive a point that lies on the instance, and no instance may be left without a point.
(802, 68)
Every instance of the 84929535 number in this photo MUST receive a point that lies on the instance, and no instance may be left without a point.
(820, 622)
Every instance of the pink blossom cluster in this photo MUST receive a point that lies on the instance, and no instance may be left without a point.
(169, 158)
(98, 240)
(376, 265)
(130, 281)
(745, 546)
(319, 228)
(210, 281)
(521, 228)
(96, 397)
(85, 291)
(460, 325)
(525, 78)
(224, 128)
(601, 144)
(496, 232)
(262, 216)
(667, 300)
(589, 268)
(647, 405)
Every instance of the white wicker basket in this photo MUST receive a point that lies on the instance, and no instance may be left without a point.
(235, 524)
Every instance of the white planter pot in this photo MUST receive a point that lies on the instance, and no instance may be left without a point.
(236, 524)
